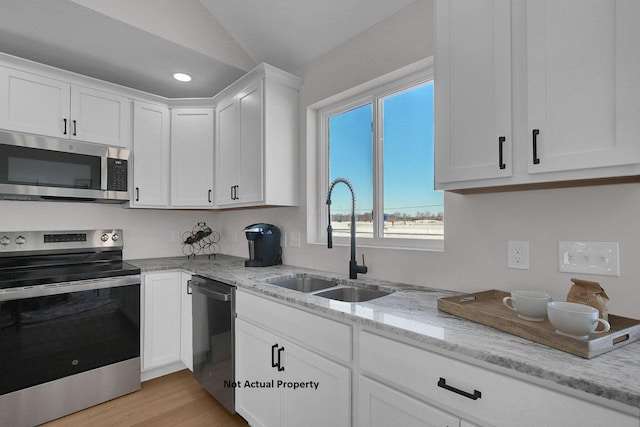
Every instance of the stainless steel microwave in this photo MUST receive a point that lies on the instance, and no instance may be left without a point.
(35, 167)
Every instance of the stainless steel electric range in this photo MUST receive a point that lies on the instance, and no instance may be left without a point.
(69, 323)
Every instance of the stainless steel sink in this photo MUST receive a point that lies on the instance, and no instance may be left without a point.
(352, 294)
(305, 283)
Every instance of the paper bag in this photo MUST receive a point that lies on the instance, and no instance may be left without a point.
(589, 293)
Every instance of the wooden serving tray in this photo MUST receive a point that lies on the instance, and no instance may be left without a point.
(487, 308)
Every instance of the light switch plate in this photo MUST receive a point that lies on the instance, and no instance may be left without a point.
(601, 258)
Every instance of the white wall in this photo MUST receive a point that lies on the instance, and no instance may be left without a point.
(477, 226)
(147, 232)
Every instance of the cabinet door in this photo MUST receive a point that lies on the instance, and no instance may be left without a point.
(280, 404)
(192, 157)
(309, 406)
(382, 406)
(150, 155)
(583, 88)
(100, 117)
(186, 330)
(473, 96)
(239, 148)
(34, 104)
(260, 405)
(251, 144)
(226, 152)
(161, 334)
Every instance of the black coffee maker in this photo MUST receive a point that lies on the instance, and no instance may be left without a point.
(264, 245)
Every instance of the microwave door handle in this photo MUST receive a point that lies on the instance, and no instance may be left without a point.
(104, 169)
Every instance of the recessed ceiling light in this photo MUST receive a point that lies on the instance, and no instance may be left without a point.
(182, 77)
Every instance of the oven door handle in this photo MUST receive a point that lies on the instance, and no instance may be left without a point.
(68, 287)
(212, 294)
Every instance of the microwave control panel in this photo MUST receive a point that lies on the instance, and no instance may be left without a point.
(117, 175)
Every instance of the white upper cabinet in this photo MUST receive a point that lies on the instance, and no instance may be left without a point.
(257, 140)
(100, 117)
(251, 144)
(557, 80)
(34, 104)
(583, 90)
(226, 171)
(473, 90)
(239, 170)
(192, 157)
(45, 106)
(151, 133)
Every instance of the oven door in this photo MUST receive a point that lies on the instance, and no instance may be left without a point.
(53, 331)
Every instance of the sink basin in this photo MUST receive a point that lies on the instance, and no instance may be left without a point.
(352, 294)
(305, 283)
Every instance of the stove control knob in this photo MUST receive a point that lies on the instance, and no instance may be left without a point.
(21, 240)
(115, 237)
(4, 241)
(104, 237)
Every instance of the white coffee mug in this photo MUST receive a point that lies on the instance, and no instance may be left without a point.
(575, 320)
(530, 305)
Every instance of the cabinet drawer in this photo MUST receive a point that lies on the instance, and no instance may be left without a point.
(381, 406)
(317, 333)
(500, 400)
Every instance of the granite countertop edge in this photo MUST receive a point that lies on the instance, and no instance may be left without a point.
(411, 313)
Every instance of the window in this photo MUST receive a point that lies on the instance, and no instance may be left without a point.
(382, 143)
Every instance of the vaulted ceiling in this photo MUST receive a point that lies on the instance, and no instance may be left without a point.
(141, 43)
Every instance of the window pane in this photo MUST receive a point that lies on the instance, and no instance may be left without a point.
(412, 208)
(351, 157)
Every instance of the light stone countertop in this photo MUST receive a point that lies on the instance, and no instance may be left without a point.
(411, 313)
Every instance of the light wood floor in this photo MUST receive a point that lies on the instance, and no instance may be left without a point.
(173, 400)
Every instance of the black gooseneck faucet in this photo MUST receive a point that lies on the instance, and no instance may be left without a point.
(354, 268)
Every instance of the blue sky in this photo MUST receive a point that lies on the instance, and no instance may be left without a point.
(408, 154)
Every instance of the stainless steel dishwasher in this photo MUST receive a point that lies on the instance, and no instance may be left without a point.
(213, 330)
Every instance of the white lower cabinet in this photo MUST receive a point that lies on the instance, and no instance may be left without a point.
(279, 382)
(467, 391)
(186, 325)
(395, 384)
(166, 314)
(382, 406)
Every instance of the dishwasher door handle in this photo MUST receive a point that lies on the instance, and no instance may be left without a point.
(212, 294)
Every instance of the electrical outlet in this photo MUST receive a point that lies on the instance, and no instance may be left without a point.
(600, 258)
(175, 237)
(518, 254)
(294, 239)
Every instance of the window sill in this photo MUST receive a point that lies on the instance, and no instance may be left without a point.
(432, 246)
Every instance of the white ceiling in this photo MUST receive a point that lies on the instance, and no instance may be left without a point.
(290, 33)
(140, 43)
